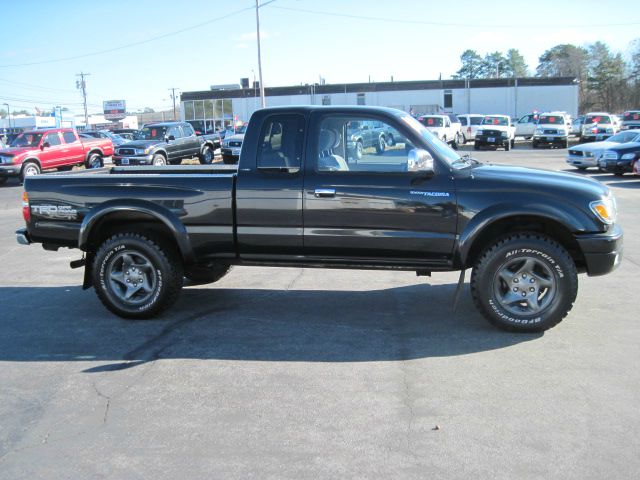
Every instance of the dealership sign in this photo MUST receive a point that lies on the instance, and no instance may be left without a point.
(114, 109)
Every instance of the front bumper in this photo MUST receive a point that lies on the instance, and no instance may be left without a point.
(582, 161)
(615, 166)
(551, 139)
(10, 170)
(602, 251)
(132, 160)
(231, 151)
(498, 141)
(595, 137)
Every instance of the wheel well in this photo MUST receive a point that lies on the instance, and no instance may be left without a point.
(32, 160)
(91, 152)
(524, 223)
(135, 222)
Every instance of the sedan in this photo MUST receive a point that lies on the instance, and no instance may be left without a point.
(587, 154)
(620, 159)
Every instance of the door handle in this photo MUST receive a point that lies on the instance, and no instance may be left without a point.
(324, 192)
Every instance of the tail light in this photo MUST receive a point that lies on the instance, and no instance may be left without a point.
(26, 210)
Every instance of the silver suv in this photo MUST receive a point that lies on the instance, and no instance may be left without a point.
(552, 129)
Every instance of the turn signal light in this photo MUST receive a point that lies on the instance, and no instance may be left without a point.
(26, 211)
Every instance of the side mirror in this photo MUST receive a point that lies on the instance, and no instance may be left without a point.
(420, 160)
(44, 145)
(171, 138)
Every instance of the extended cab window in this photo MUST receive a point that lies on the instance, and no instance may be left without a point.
(175, 131)
(187, 130)
(281, 141)
(52, 139)
(69, 137)
(360, 145)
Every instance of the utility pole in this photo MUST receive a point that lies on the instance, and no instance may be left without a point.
(262, 99)
(82, 85)
(8, 114)
(173, 97)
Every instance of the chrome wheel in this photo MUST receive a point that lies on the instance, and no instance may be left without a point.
(31, 169)
(131, 277)
(95, 161)
(208, 155)
(524, 285)
(159, 161)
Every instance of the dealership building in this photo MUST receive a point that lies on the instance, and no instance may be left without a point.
(219, 106)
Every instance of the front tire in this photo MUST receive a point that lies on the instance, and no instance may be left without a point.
(228, 160)
(159, 160)
(206, 157)
(94, 161)
(29, 169)
(381, 146)
(136, 276)
(507, 146)
(3, 180)
(525, 282)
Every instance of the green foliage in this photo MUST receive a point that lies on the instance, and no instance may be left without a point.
(493, 65)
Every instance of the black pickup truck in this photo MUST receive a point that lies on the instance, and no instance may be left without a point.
(300, 197)
(166, 143)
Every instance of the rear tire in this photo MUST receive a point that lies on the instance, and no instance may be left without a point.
(203, 274)
(136, 276)
(381, 146)
(525, 282)
(207, 156)
(94, 161)
(507, 146)
(534, 144)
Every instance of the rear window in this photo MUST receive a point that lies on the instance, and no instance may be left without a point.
(476, 120)
(432, 121)
(551, 119)
(69, 137)
(463, 121)
(598, 119)
(495, 121)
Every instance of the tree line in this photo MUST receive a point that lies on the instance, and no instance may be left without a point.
(607, 81)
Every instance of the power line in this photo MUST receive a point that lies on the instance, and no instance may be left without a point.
(30, 86)
(134, 44)
(448, 24)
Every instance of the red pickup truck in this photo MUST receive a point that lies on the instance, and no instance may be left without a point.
(60, 148)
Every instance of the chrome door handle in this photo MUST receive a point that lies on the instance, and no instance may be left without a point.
(325, 192)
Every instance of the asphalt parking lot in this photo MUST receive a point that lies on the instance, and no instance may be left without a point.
(302, 373)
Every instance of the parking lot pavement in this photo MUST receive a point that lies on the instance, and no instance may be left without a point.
(302, 373)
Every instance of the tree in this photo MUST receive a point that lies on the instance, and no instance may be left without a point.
(471, 65)
(606, 78)
(515, 64)
(494, 65)
(148, 110)
(566, 60)
(20, 112)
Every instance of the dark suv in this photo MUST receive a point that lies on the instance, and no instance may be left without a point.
(164, 143)
(363, 135)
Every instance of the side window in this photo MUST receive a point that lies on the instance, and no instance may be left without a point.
(343, 146)
(175, 131)
(69, 137)
(281, 142)
(463, 121)
(187, 130)
(52, 139)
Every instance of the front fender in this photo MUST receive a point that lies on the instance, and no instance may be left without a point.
(569, 216)
(158, 212)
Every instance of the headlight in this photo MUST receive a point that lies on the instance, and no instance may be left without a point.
(562, 131)
(480, 132)
(504, 134)
(628, 156)
(588, 154)
(605, 209)
(609, 130)
(5, 159)
(142, 151)
(610, 154)
(539, 131)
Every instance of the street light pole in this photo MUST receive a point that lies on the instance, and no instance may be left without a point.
(262, 99)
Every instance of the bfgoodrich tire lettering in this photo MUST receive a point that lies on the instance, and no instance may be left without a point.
(525, 282)
(136, 276)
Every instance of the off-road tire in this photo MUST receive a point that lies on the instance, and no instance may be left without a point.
(165, 268)
(159, 160)
(546, 254)
(381, 146)
(95, 160)
(203, 274)
(207, 156)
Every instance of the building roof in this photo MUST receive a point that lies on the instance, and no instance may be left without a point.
(378, 87)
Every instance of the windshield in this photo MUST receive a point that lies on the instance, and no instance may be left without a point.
(443, 150)
(152, 133)
(27, 140)
(632, 115)
(476, 120)
(432, 121)
(598, 119)
(504, 121)
(551, 119)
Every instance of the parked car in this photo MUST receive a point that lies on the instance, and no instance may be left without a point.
(552, 129)
(33, 151)
(441, 127)
(495, 131)
(457, 124)
(586, 155)
(165, 143)
(598, 126)
(127, 133)
(232, 145)
(630, 120)
(576, 126)
(469, 123)
(115, 139)
(525, 233)
(620, 159)
(526, 125)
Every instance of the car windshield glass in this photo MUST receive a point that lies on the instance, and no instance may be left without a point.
(632, 115)
(597, 119)
(550, 119)
(152, 133)
(27, 140)
(495, 121)
(241, 129)
(621, 137)
(434, 143)
(432, 121)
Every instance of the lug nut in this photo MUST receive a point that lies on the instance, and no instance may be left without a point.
(515, 289)
(515, 280)
(127, 272)
(128, 281)
(532, 289)
(524, 275)
(532, 280)
(524, 294)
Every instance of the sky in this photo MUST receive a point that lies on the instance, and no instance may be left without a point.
(137, 50)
